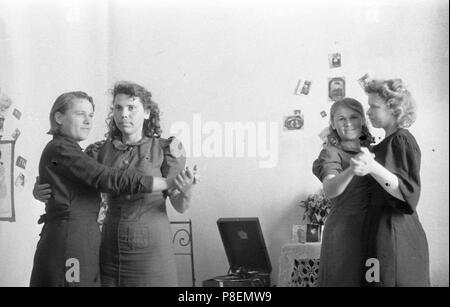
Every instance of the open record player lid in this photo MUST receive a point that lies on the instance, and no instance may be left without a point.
(244, 244)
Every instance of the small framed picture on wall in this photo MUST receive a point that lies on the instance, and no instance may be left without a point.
(7, 212)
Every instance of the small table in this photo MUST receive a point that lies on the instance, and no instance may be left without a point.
(299, 265)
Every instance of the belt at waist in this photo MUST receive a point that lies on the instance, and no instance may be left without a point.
(127, 198)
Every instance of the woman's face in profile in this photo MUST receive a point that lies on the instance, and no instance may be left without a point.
(129, 114)
(379, 114)
(76, 122)
(348, 124)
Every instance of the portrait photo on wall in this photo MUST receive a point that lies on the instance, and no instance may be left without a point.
(334, 60)
(294, 122)
(6, 181)
(336, 88)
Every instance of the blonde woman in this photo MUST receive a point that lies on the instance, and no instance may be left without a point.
(393, 233)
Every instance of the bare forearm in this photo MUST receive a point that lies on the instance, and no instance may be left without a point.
(334, 186)
(387, 180)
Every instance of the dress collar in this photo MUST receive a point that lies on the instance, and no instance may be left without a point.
(118, 144)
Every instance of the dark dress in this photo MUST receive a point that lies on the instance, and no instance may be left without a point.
(393, 233)
(341, 252)
(71, 231)
(136, 247)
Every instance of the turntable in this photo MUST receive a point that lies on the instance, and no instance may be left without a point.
(246, 252)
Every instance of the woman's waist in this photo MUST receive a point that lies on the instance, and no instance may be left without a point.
(137, 209)
(67, 212)
(349, 206)
(118, 200)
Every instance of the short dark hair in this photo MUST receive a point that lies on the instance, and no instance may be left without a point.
(63, 103)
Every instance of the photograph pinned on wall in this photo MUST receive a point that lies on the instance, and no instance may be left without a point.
(306, 87)
(363, 81)
(323, 113)
(20, 180)
(303, 87)
(336, 88)
(17, 114)
(294, 122)
(15, 135)
(21, 162)
(298, 233)
(334, 59)
(7, 212)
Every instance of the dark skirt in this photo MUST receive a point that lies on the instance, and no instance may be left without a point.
(399, 243)
(341, 255)
(67, 254)
(136, 248)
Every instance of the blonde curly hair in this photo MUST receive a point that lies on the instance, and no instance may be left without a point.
(396, 97)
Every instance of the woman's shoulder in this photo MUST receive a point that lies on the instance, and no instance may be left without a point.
(59, 143)
(403, 138)
(398, 143)
(331, 150)
(171, 143)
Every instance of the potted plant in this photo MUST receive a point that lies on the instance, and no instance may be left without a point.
(317, 206)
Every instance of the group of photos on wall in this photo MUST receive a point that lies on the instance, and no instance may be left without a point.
(336, 91)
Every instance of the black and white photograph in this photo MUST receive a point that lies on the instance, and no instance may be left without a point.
(204, 144)
(334, 60)
(294, 122)
(336, 88)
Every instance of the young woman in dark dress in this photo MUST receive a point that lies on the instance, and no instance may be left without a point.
(67, 253)
(137, 249)
(393, 234)
(341, 256)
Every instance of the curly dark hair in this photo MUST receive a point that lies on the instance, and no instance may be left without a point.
(152, 127)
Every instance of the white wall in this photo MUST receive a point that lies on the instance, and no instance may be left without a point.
(228, 61)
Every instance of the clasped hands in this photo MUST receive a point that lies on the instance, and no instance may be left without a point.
(180, 185)
(184, 182)
(363, 163)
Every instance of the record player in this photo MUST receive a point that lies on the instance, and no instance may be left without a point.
(247, 254)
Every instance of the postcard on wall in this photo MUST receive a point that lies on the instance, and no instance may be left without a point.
(17, 114)
(294, 122)
(21, 162)
(336, 88)
(303, 87)
(20, 180)
(7, 212)
(334, 59)
(363, 81)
